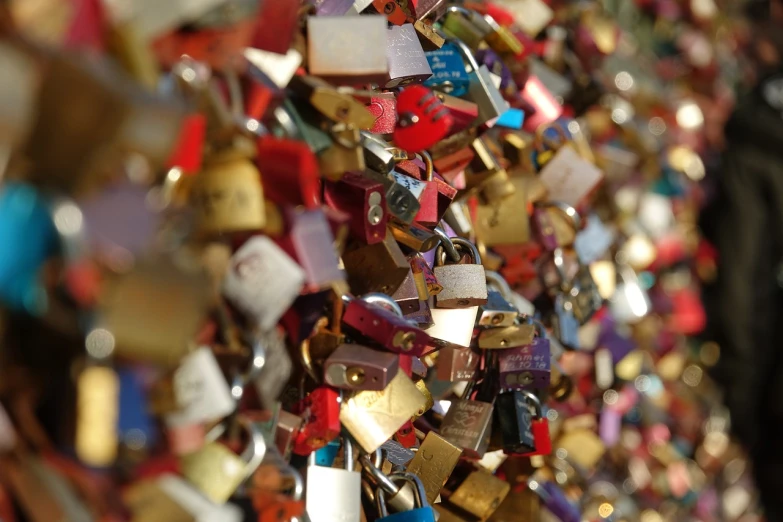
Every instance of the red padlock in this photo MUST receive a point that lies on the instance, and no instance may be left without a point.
(422, 119)
(290, 172)
(377, 324)
(365, 201)
(397, 11)
(406, 435)
(220, 48)
(321, 413)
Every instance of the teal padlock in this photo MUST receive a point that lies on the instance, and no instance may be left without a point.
(423, 512)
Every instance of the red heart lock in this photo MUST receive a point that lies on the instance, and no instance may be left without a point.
(422, 119)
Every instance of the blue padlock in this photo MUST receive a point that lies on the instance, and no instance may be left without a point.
(448, 71)
(422, 513)
(28, 238)
(511, 119)
(325, 456)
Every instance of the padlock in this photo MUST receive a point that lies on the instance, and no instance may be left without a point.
(497, 224)
(453, 325)
(261, 274)
(422, 120)
(433, 463)
(337, 106)
(277, 24)
(468, 425)
(463, 112)
(365, 201)
(512, 412)
(448, 71)
(228, 196)
(273, 507)
(356, 367)
(527, 366)
(565, 325)
(398, 498)
(337, 496)
(401, 203)
(378, 267)
(501, 39)
(463, 285)
(407, 63)
(569, 178)
(217, 471)
(291, 175)
(219, 47)
(457, 364)
(332, 50)
(469, 26)
(430, 9)
(480, 494)
(429, 39)
(384, 109)
(422, 512)
(332, 7)
(372, 417)
(344, 155)
(518, 334)
(426, 282)
(498, 311)
(320, 411)
(414, 237)
(375, 323)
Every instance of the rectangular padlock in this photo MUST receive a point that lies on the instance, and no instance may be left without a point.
(377, 324)
(407, 62)
(433, 463)
(372, 417)
(526, 367)
(457, 364)
(453, 325)
(506, 336)
(480, 494)
(497, 312)
(407, 296)
(310, 243)
(468, 425)
(378, 267)
(356, 367)
(333, 53)
(365, 201)
(569, 178)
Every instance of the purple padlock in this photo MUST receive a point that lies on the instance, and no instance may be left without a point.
(526, 367)
(332, 7)
(612, 339)
(555, 501)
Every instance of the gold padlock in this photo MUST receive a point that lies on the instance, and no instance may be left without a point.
(434, 462)
(505, 222)
(480, 494)
(228, 196)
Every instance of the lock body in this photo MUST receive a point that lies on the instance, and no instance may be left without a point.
(468, 425)
(356, 367)
(384, 328)
(407, 63)
(527, 366)
(516, 422)
(365, 201)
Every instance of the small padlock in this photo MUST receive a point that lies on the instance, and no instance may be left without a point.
(433, 463)
(274, 507)
(498, 311)
(401, 203)
(505, 221)
(398, 12)
(457, 364)
(407, 295)
(414, 237)
(422, 120)
(335, 105)
(429, 39)
(356, 367)
(527, 366)
(217, 471)
(320, 411)
(504, 337)
(277, 25)
(480, 494)
(565, 325)
(334, 495)
(399, 498)
(469, 26)
(463, 285)
(422, 512)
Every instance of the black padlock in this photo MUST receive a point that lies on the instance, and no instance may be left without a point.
(512, 409)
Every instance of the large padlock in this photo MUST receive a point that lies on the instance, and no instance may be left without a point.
(422, 120)
(463, 285)
(422, 512)
(334, 494)
(433, 463)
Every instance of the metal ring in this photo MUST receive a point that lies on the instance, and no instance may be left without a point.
(459, 244)
(379, 477)
(536, 402)
(428, 162)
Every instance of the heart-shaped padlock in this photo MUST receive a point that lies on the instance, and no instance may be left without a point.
(422, 119)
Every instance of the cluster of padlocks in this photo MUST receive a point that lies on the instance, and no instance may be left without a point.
(349, 260)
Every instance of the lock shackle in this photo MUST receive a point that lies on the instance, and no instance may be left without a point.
(254, 452)
(381, 480)
(461, 244)
(565, 208)
(419, 493)
(532, 397)
(427, 159)
(499, 282)
(447, 245)
(384, 301)
(463, 49)
(540, 328)
(348, 453)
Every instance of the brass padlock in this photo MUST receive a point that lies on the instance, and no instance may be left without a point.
(480, 494)
(228, 195)
(381, 267)
(345, 154)
(505, 222)
(463, 285)
(434, 462)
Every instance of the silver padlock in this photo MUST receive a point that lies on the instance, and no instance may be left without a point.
(463, 285)
(334, 495)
